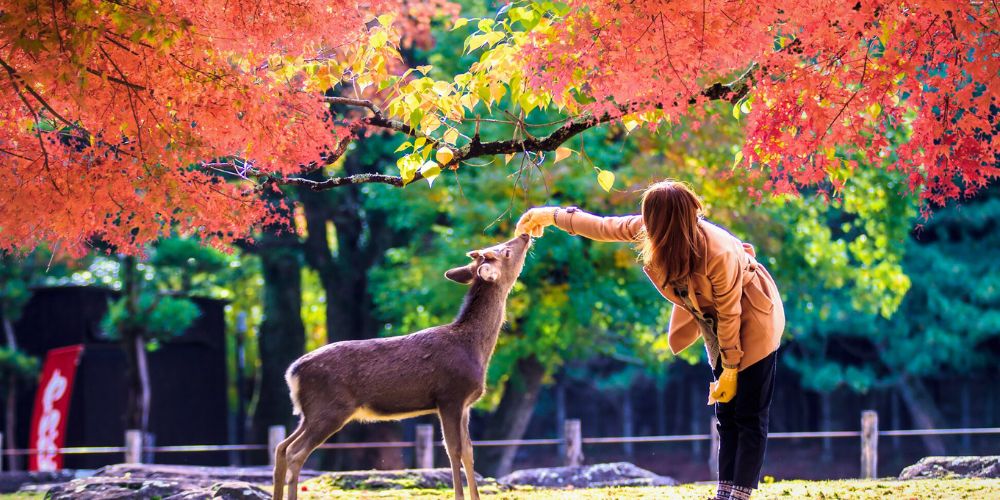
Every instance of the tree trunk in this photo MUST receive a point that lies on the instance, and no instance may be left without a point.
(697, 399)
(133, 345)
(512, 416)
(10, 416)
(628, 422)
(361, 238)
(661, 404)
(560, 390)
(826, 425)
(282, 338)
(923, 412)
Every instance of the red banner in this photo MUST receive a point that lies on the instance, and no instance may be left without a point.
(48, 422)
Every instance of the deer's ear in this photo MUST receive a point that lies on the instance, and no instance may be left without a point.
(475, 254)
(461, 275)
(488, 272)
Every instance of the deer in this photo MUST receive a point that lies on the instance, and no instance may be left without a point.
(439, 370)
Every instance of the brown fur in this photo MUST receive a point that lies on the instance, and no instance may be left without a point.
(438, 370)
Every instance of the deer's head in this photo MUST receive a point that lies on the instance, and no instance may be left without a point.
(500, 264)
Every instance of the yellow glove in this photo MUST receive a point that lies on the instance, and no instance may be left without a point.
(535, 221)
(724, 389)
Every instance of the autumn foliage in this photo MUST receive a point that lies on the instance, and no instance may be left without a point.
(126, 121)
(829, 81)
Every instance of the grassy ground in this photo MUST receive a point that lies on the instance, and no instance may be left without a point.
(931, 489)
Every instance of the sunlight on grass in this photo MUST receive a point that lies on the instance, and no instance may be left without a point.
(843, 490)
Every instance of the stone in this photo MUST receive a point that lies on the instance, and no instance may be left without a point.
(168, 482)
(11, 481)
(193, 474)
(587, 476)
(953, 468)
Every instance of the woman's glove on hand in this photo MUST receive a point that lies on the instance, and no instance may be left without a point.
(535, 221)
(724, 389)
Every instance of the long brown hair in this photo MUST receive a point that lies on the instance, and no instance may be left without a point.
(672, 241)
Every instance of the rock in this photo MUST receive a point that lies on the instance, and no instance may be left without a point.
(199, 475)
(94, 488)
(239, 490)
(168, 482)
(394, 480)
(953, 467)
(587, 476)
(17, 480)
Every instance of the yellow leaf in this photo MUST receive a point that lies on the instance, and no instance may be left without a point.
(737, 158)
(459, 23)
(630, 123)
(562, 153)
(606, 179)
(508, 158)
(444, 155)
(451, 136)
(386, 19)
(875, 109)
(430, 170)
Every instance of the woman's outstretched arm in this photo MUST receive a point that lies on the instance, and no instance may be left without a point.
(576, 221)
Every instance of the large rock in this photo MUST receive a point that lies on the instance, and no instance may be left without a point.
(123, 488)
(953, 467)
(393, 480)
(167, 482)
(587, 476)
(12, 481)
(196, 475)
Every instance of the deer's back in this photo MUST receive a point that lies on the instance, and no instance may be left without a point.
(395, 376)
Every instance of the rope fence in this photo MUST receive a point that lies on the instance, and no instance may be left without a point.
(573, 442)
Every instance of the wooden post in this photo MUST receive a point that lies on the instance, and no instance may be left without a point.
(275, 435)
(869, 444)
(628, 424)
(133, 446)
(713, 448)
(423, 447)
(574, 442)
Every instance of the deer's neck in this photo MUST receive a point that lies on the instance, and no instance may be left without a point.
(482, 314)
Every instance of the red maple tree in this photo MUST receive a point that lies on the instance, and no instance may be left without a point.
(126, 121)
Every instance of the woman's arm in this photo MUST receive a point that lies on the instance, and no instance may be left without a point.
(576, 221)
(726, 275)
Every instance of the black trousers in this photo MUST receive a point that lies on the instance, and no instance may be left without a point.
(743, 423)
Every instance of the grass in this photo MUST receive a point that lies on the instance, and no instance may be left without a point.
(929, 489)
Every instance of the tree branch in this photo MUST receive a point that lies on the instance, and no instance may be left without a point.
(732, 92)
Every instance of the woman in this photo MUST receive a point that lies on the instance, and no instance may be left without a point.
(720, 292)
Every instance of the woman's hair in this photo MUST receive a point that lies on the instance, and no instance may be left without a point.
(671, 241)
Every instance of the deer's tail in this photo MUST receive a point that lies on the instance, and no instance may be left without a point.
(292, 379)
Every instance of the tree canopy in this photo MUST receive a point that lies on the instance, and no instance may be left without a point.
(126, 121)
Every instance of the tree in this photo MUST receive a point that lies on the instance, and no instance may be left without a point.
(155, 306)
(174, 124)
(16, 366)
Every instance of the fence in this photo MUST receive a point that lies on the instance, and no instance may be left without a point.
(573, 442)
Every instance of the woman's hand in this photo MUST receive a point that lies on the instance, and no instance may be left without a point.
(724, 389)
(534, 221)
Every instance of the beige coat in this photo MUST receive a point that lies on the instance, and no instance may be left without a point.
(729, 284)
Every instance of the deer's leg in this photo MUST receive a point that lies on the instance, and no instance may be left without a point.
(280, 462)
(315, 433)
(467, 462)
(451, 427)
